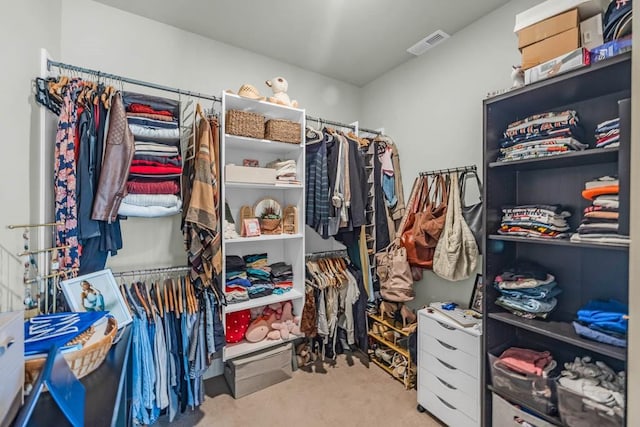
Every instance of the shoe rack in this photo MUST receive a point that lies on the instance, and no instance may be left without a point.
(390, 348)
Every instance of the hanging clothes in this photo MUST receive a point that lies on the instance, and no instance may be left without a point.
(66, 209)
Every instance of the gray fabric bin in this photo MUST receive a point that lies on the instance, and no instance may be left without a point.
(248, 374)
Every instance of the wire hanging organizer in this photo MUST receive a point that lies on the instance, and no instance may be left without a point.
(338, 253)
(450, 170)
(100, 74)
(150, 271)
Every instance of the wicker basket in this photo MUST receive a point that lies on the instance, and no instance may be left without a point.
(81, 362)
(243, 123)
(270, 226)
(283, 131)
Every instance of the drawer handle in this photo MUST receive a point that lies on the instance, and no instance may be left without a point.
(445, 345)
(444, 325)
(446, 365)
(446, 384)
(447, 404)
(6, 345)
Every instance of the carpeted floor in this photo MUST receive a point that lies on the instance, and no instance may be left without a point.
(347, 394)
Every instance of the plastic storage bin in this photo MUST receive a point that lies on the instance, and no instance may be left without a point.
(535, 392)
(504, 414)
(575, 413)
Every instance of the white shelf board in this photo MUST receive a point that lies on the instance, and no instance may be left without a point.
(244, 347)
(259, 302)
(267, 109)
(251, 186)
(234, 142)
(264, 238)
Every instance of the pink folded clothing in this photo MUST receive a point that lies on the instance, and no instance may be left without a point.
(525, 361)
(151, 187)
(155, 170)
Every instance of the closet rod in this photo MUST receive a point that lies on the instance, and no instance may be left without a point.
(338, 253)
(152, 271)
(450, 170)
(131, 81)
(343, 125)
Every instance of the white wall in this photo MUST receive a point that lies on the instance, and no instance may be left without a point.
(25, 27)
(129, 45)
(432, 107)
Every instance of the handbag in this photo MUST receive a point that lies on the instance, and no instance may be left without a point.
(456, 255)
(472, 214)
(417, 202)
(394, 272)
(429, 224)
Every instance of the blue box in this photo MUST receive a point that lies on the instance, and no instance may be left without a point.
(610, 49)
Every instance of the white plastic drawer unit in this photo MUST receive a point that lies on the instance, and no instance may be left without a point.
(11, 364)
(448, 370)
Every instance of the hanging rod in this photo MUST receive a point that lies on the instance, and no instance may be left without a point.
(49, 276)
(48, 224)
(338, 253)
(450, 170)
(151, 271)
(131, 81)
(39, 251)
(343, 125)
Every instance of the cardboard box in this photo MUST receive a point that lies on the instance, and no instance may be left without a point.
(249, 175)
(610, 49)
(570, 61)
(591, 32)
(248, 374)
(549, 8)
(550, 48)
(548, 28)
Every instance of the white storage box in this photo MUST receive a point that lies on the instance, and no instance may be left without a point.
(504, 414)
(250, 175)
(246, 375)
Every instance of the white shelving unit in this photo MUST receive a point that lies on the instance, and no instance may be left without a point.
(288, 248)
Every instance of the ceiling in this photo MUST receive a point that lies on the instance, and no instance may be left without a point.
(354, 41)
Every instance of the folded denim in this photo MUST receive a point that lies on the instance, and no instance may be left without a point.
(521, 313)
(540, 292)
(529, 305)
(593, 334)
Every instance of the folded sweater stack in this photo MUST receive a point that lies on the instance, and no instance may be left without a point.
(156, 168)
(541, 135)
(286, 171)
(527, 290)
(608, 134)
(236, 283)
(544, 221)
(600, 220)
(603, 321)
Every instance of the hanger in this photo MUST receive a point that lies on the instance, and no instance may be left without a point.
(168, 292)
(141, 299)
(180, 301)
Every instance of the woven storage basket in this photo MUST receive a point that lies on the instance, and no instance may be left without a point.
(243, 123)
(81, 362)
(283, 131)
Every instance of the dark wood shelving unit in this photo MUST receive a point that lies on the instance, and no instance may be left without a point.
(583, 270)
(571, 158)
(559, 242)
(561, 331)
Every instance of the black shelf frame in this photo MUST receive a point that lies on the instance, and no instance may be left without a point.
(561, 331)
(584, 270)
(559, 242)
(571, 158)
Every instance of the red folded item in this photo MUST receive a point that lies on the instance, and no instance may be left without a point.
(143, 108)
(526, 361)
(155, 170)
(157, 187)
(135, 162)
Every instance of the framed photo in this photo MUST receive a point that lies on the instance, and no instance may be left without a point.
(477, 296)
(251, 227)
(97, 292)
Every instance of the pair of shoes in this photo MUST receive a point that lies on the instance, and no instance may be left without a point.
(379, 329)
(388, 309)
(384, 354)
(399, 364)
(391, 336)
(407, 315)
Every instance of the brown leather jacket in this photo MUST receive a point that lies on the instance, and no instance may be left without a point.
(118, 155)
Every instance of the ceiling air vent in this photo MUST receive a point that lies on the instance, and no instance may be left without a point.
(428, 42)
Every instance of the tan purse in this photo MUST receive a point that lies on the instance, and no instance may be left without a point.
(394, 272)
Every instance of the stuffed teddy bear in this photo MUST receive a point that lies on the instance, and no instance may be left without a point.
(261, 325)
(287, 324)
(279, 86)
